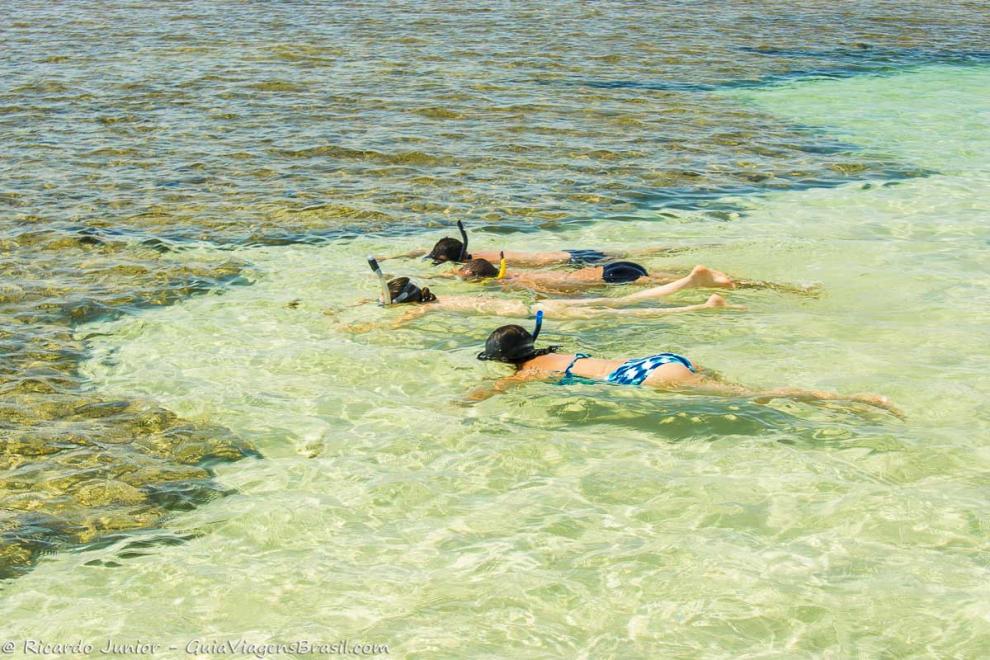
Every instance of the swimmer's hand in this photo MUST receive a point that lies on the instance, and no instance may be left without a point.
(481, 393)
(488, 390)
(333, 311)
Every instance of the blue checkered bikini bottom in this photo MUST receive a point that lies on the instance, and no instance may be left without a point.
(635, 371)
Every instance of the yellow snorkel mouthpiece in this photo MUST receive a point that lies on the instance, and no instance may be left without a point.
(502, 267)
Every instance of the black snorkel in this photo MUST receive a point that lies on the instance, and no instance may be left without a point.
(376, 269)
(450, 249)
(464, 241)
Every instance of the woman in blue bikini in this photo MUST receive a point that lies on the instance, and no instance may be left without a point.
(515, 345)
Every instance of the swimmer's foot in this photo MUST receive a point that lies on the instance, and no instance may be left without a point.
(879, 401)
(717, 301)
(703, 276)
(814, 290)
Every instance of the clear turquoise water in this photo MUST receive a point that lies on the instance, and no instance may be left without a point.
(594, 521)
(135, 130)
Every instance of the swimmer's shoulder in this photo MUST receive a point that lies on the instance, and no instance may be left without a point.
(549, 363)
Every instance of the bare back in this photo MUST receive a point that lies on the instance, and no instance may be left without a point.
(526, 259)
(557, 281)
(593, 368)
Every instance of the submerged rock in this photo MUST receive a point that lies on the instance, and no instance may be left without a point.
(77, 468)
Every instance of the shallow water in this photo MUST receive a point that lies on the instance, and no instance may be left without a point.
(593, 520)
(141, 169)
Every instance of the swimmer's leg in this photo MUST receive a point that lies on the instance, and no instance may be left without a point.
(564, 309)
(700, 276)
(710, 387)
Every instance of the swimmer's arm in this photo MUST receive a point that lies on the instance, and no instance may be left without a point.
(405, 255)
(441, 274)
(410, 315)
(333, 311)
(502, 385)
(406, 317)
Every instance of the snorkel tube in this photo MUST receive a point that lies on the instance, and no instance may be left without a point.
(376, 269)
(464, 241)
(539, 324)
(502, 267)
(513, 344)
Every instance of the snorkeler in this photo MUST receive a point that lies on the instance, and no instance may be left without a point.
(618, 272)
(418, 302)
(594, 269)
(514, 345)
(451, 249)
(699, 274)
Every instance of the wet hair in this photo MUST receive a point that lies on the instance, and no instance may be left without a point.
(402, 290)
(447, 249)
(512, 344)
(478, 268)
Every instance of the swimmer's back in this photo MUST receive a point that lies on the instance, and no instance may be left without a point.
(588, 367)
(526, 259)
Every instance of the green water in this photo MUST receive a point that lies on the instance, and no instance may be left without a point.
(592, 521)
(133, 130)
